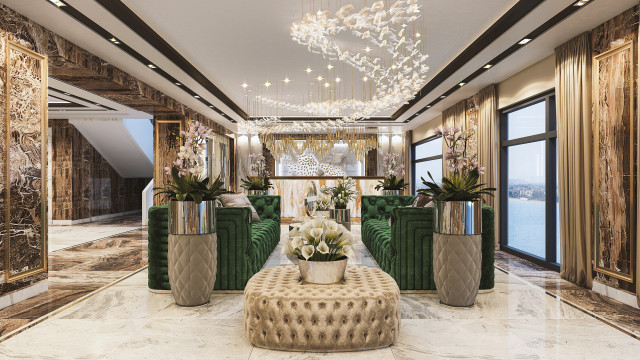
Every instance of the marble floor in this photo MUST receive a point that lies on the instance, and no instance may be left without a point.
(518, 320)
(100, 257)
(64, 236)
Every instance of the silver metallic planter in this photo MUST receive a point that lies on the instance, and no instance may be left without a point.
(458, 217)
(391, 192)
(190, 218)
(322, 272)
(258, 192)
(341, 216)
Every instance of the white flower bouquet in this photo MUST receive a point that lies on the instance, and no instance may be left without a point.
(319, 239)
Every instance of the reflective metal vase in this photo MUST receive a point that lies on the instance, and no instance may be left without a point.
(391, 192)
(191, 218)
(458, 217)
(322, 272)
(341, 216)
(258, 192)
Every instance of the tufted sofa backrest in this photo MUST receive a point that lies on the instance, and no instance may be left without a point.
(267, 206)
(379, 206)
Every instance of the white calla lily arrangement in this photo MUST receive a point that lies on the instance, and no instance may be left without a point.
(319, 239)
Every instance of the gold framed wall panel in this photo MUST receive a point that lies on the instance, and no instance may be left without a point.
(25, 136)
(615, 177)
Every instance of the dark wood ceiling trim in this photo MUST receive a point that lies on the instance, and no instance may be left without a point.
(118, 9)
(518, 11)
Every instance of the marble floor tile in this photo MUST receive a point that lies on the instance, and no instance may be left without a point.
(61, 237)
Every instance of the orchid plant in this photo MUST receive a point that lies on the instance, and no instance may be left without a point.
(393, 173)
(319, 239)
(462, 162)
(258, 178)
(191, 155)
(342, 193)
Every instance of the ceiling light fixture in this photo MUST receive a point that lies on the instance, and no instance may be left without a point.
(57, 3)
(286, 80)
(319, 78)
(308, 70)
(462, 84)
(211, 106)
(178, 84)
(428, 106)
(196, 96)
(581, 2)
(113, 39)
(367, 49)
(326, 84)
(417, 34)
(329, 66)
(67, 94)
(365, 79)
(244, 85)
(488, 66)
(337, 79)
(524, 41)
(443, 96)
(152, 66)
(267, 84)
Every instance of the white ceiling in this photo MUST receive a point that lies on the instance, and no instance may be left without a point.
(232, 42)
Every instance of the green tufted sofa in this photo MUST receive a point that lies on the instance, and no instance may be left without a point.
(243, 248)
(404, 250)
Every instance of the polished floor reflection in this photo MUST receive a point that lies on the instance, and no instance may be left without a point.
(517, 320)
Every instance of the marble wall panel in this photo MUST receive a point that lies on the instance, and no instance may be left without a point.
(293, 192)
(615, 121)
(62, 169)
(3, 152)
(167, 146)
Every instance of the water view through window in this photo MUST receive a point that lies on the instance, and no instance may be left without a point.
(529, 180)
(427, 158)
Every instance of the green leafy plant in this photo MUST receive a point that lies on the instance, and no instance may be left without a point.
(342, 193)
(256, 183)
(391, 183)
(463, 182)
(258, 178)
(393, 173)
(191, 187)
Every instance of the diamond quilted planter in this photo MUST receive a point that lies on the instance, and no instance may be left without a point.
(457, 251)
(192, 268)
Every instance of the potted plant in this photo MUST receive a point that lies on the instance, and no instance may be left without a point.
(393, 182)
(192, 250)
(458, 219)
(341, 195)
(321, 247)
(322, 206)
(257, 182)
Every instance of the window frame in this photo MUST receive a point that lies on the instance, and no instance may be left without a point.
(415, 161)
(549, 136)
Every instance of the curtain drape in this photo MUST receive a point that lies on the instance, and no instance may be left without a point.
(573, 110)
(486, 136)
(407, 141)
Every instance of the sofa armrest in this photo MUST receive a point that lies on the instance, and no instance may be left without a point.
(380, 206)
(412, 247)
(267, 206)
(235, 256)
(158, 231)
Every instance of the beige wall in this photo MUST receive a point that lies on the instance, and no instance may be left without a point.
(531, 81)
(427, 129)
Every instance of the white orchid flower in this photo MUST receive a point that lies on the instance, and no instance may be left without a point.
(307, 251)
(316, 232)
(296, 242)
(347, 251)
(323, 248)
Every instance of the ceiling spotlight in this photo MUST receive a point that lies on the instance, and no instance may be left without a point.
(338, 79)
(178, 84)
(488, 66)
(96, 104)
(196, 96)
(417, 34)
(244, 85)
(443, 96)
(461, 84)
(365, 79)
(67, 94)
(404, 25)
(428, 106)
(581, 2)
(57, 3)
(152, 66)
(319, 78)
(117, 42)
(524, 41)
(329, 66)
(211, 106)
(113, 39)
(394, 67)
(267, 84)
(286, 80)
(308, 70)
(326, 84)
(367, 49)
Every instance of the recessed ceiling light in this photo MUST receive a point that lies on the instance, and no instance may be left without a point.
(152, 66)
(308, 70)
(488, 66)
(244, 85)
(319, 78)
(178, 84)
(524, 41)
(404, 25)
(267, 84)
(96, 104)
(67, 94)
(211, 106)
(196, 96)
(581, 2)
(326, 84)
(286, 80)
(367, 49)
(113, 39)
(57, 3)
(117, 42)
(443, 96)
(428, 106)
(329, 66)
(417, 34)
(338, 79)
(394, 67)
(461, 84)
(365, 79)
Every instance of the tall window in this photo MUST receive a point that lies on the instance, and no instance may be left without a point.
(529, 201)
(426, 156)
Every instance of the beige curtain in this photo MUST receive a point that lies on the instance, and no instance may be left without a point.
(486, 135)
(573, 109)
(407, 141)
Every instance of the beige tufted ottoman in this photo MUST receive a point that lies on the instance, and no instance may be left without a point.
(283, 314)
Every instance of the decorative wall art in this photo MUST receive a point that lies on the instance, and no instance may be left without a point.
(339, 161)
(23, 117)
(614, 138)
